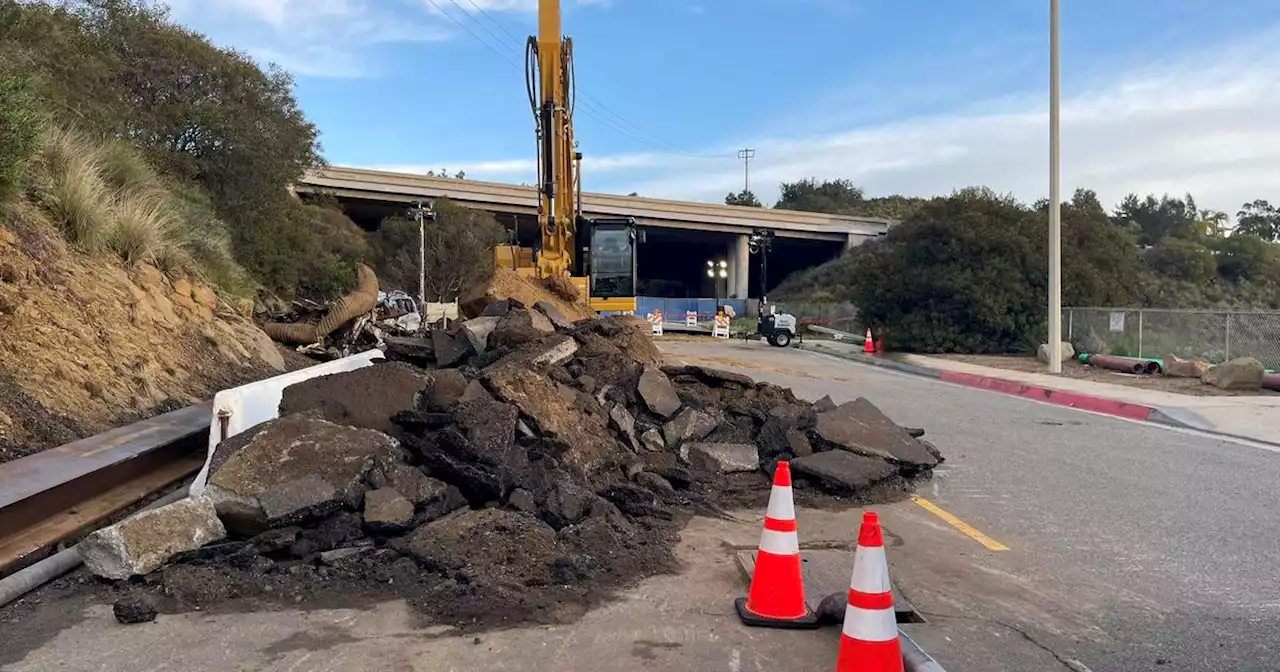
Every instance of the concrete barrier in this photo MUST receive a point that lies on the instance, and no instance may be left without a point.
(241, 408)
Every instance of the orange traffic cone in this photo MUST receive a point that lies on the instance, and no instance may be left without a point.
(869, 345)
(776, 597)
(869, 642)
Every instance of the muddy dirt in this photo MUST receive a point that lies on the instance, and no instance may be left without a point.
(363, 398)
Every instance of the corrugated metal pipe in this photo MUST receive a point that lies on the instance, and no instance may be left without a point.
(349, 307)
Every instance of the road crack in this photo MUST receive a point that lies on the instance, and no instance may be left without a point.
(1070, 663)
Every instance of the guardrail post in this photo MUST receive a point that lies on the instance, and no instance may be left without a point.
(1227, 352)
(1139, 333)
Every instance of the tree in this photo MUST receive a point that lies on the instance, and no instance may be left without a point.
(459, 250)
(962, 274)
(1259, 219)
(1247, 258)
(1182, 260)
(295, 248)
(744, 197)
(1154, 220)
(836, 197)
(1099, 265)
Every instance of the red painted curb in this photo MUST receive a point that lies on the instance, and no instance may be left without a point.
(1051, 396)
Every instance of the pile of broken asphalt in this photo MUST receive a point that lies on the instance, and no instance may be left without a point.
(520, 468)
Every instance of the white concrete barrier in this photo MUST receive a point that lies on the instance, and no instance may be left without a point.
(253, 404)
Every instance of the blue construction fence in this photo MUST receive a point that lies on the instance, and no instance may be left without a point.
(673, 310)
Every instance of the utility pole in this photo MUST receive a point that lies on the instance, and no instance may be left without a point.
(746, 155)
(421, 212)
(1055, 198)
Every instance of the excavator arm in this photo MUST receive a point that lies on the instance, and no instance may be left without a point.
(550, 81)
(598, 256)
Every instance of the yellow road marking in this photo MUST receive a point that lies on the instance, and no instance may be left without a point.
(966, 528)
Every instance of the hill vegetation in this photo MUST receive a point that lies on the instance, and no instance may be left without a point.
(968, 272)
(137, 135)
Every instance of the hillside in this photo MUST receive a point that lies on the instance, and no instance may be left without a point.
(87, 343)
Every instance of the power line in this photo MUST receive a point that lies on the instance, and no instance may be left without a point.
(590, 106)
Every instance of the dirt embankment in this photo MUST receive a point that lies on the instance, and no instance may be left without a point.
(87, 343)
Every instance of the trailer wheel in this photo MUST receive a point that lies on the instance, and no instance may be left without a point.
(780, 339)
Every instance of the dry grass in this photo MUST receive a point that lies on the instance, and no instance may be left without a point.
(144, 224)
(104, 196)
(70, 186)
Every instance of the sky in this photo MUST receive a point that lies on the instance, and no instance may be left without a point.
(916, 97)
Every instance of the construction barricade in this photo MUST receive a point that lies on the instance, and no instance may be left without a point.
(655, 319)
(721, 329)
(690, 318)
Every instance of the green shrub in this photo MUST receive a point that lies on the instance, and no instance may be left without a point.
(961, 274)
(19, 131)
(297, 249)
(1182, 260)
(459, 250)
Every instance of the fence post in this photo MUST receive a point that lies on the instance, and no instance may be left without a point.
(1227, 352)
(1071, 325)
(1139, 333)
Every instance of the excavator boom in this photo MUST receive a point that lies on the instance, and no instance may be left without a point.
(598, 256)
(552, 59)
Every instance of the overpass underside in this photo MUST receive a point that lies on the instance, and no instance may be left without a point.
(680, 237)
(672, 262)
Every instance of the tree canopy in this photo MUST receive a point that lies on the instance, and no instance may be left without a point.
(199, 114)
(968, 273)
(744, 197)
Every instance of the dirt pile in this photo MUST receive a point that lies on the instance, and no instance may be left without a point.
(526, 484)
(88, 343)
(508, 284)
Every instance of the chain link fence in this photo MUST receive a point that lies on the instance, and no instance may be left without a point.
(1212, 335)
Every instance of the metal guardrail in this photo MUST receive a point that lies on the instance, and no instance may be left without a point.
(1213, 335)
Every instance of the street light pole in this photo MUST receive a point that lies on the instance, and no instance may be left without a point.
(1055, 198)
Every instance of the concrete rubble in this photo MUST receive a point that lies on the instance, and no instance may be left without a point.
(532, 468)
(142, 543)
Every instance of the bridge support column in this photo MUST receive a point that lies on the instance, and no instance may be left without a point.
(740, 267)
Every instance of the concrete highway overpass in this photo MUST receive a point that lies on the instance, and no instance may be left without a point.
(681, 236)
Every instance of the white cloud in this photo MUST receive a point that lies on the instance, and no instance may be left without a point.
(1205, 125)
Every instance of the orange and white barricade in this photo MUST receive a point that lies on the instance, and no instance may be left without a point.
(655, 319)
(721, 330)
(690, 318)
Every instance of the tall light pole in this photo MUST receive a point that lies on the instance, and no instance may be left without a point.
(1055, 199)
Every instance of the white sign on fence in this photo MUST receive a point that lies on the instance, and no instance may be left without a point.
(1117, 322)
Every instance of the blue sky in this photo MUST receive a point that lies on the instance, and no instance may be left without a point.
(907, 96)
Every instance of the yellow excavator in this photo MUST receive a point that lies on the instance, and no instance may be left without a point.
(597, 255)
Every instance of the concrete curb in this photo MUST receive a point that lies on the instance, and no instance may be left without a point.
(1163, 416)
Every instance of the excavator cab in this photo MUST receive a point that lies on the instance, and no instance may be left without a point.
(608, 262)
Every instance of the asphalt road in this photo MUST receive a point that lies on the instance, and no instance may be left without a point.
(1132, 546)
